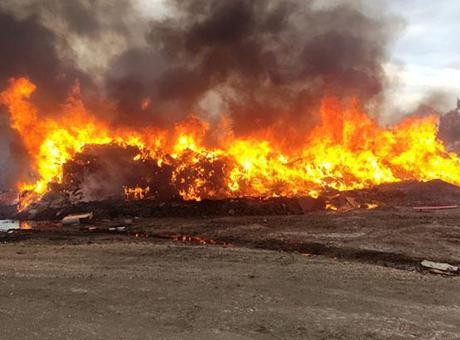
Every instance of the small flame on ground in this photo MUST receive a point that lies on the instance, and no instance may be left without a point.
(332, 207)
(136, 193)
(371, 206)
(24, 225)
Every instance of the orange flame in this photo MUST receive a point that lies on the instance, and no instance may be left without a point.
(346, 150)
(136, 193)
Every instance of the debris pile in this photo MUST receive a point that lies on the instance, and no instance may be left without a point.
(180, 208)
(77, 219)
(421, 196)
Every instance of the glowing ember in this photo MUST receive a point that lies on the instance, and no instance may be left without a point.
(346, 150)
(197, 239)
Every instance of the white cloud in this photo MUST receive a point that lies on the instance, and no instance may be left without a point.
(425, 58)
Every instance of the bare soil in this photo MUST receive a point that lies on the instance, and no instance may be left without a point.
(321, 275)
(144, 290)
(394, 237)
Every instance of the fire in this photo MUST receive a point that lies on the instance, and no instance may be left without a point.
(371, 206)
(136, 193)
(346, 150)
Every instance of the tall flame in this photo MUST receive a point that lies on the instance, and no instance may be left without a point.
(346, 150)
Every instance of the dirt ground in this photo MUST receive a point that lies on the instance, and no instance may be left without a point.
(322, 275)
(140, 290)
(396, 237)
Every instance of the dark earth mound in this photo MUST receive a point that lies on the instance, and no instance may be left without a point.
(410, 193)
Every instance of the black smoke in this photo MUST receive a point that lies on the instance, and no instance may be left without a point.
(269, 62)
(263, 63)
(28, 49)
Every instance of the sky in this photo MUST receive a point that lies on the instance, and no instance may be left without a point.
(425, 59)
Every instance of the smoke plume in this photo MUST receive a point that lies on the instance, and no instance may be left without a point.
(263, 62)
(259, 63)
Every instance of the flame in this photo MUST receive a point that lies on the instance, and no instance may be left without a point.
(24, 225)
(346, 150)
(371, 206)
(136, 193)
(332, 207)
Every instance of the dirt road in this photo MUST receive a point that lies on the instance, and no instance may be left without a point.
(137, 290)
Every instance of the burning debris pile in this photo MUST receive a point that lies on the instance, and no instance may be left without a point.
(346, 150)
(213, 108)
(82, 158)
